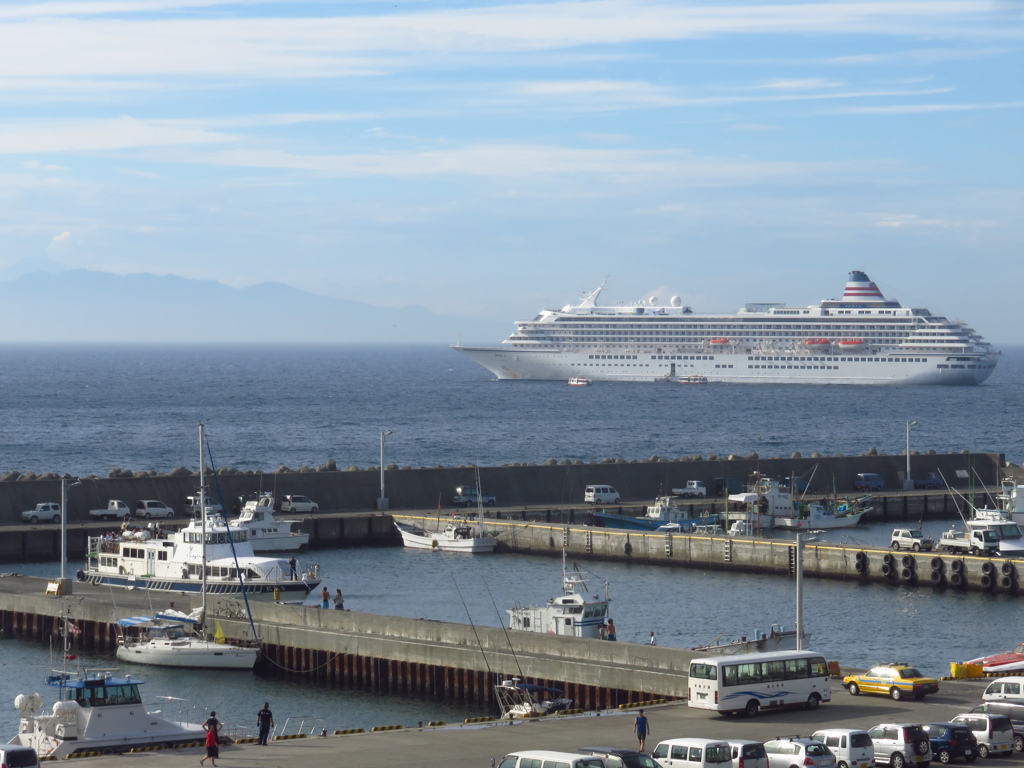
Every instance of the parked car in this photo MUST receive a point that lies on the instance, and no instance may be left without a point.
(1004, 688)
(853, 748)
(748, 754)
(296, 503)
(692, 753)
(18, 757)
(901, 744)
(47, 511)
(912, 539)
(148, 508)
(1013, 710)
(868, 481)
(950, 741)
(894, 680)
(796, 752)
(600, 494)
(192, 505)
(618, 757)
(931, 480)
(994, 732)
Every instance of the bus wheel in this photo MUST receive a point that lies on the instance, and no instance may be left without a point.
(751, 708)
(813, 701)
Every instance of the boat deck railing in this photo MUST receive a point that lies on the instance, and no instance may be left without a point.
(305, 725)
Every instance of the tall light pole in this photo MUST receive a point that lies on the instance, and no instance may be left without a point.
(65, 583)
(382, 502)
(908, 483)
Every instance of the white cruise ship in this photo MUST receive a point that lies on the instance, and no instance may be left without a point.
(862, 338)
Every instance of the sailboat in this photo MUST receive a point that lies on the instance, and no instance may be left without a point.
(163, 641)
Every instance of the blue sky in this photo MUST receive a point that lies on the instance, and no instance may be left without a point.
(489, 159)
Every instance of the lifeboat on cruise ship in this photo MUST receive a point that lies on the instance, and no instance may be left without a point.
(720, 341)
(817, 345)
(849, 345)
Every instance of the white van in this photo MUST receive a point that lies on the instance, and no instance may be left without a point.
(693, 753)
(1004, 688)
(541, 758)
(748, 754)
(853, 748)
(600, 494)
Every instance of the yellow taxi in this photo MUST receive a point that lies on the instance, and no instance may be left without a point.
(896, 680)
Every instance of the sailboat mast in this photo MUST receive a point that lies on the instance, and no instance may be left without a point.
(202, 511)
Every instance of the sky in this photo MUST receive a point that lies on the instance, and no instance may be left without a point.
(489, 159)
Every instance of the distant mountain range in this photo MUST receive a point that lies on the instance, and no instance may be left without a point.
(87, 306)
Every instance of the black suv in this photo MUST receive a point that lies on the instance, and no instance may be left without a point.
(952, 740)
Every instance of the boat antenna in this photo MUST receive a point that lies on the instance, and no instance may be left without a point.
(501, 621)
(231, 542)
(471, 624)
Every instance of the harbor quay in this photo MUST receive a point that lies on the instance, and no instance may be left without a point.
(474, 745)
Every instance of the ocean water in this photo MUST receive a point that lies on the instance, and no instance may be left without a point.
(85, 410)
(88, 409)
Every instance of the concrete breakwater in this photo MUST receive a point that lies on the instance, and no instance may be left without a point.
(940, 570)
(379, 653)
(551, 483)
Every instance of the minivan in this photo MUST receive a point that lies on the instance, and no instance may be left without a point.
(853, 748)
(1004, 688)
(600, 494)
(693, 753)
(619, 757)
(542, 758)
(868, 481)
(1013, 710)
(18, 757)
(993, 732)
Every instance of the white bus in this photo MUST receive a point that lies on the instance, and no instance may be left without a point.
(749, 682)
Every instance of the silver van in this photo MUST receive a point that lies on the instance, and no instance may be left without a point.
(542, 758)
(993, 732)
(853, 748)
(693, 753)
(1004, 688)
(748, 754)
(600, 494)
(18, 757)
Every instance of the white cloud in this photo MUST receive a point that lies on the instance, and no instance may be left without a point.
(99, 135)
(918, 109)
(59, 241)
(901, 220)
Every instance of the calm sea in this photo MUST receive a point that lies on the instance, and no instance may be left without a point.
(88, 409)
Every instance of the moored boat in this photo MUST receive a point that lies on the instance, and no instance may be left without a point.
(168, 640)
(518, 699)
(265, 532)
(459, 535)
(575, 613)
(1002, 663)
(664, 511)
(579, 381)
(777, 638)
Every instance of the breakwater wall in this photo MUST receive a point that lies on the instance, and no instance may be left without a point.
(514, 485)
(939, 570)
(384, 653)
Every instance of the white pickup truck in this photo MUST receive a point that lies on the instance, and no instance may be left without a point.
(694, 490)
(973, 541)
(47, 511)
(116, 509)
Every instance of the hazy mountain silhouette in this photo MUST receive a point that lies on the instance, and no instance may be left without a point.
(82, 305)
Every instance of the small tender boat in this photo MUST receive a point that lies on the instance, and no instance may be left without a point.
(457, 536)
(518, 699)
(692, 380)
(94, 713)
(579, 381)
(163, 641)
(266, 533)
(573, 614)
(848, 345)
(1007, 663)
(778, 638)
(719, 341)
(817, 345)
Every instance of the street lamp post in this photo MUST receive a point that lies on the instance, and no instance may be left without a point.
(908, 482)
(382, 502)
(65, 582)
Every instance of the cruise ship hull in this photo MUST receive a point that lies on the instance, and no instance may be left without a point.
(880, 369)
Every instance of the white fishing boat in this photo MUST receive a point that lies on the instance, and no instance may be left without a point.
(206, 556)
(168, 640)
(575, 613)
(777, 638)
(266, 532)
(518, 699)
(774, 504)
(672, 510)
(459, 535)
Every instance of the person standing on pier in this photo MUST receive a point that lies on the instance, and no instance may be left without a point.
(653, 640)
(294, 566)
(611, 629)
(641, 727)
(325, 598)
(265, 720)
(339, 600)
(212, 727)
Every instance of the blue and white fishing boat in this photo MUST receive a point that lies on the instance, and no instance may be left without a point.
(665, 511)
(576, 613)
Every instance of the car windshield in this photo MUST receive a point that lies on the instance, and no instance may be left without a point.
(910, 672)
